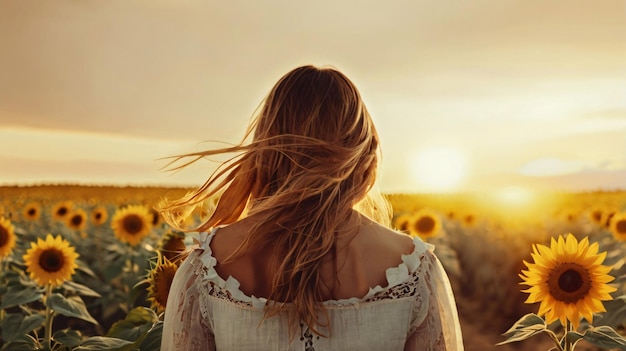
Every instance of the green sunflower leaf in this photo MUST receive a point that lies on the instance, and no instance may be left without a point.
(15, 325)
(103, 343)
(573, 336)
(135, 326)
(19, 296)
(152, 342)
(72, 306)
(524, 328)
(68, 337)
(604, 337)
(79, 289)
(24, 342)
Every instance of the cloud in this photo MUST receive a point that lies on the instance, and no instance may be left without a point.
(614, 114)
(63, 145)
(546, 167)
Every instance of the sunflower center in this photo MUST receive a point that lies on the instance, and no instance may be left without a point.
(173, 247)
(133, 224)
(597, 216)
(98, 216)
(77, 220)
(51, 260)
(4, 236)
(425, 224)
(62, 211)
(569, 282)
(620, 226)
(31, 212)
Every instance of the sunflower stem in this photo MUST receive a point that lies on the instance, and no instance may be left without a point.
(48, 322)
(129, 275)
(568, 344)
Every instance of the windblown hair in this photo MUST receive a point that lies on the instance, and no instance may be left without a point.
(313, 158)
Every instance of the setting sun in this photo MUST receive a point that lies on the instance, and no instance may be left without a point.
(439, 169)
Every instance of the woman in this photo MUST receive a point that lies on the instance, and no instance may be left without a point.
(297, 254)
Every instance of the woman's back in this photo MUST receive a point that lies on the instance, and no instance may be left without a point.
(360, 264)
(217, 306)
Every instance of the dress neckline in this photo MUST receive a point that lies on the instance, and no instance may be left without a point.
(394, 275)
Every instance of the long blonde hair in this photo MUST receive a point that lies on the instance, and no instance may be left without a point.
(313, 159)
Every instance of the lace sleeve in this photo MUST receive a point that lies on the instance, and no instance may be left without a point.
(435, 325)
(184, 327)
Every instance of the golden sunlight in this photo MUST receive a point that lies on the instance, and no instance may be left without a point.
(515, 196)
(439, 169)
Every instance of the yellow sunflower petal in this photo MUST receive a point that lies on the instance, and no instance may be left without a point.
(571, 247)
(544, 251)
(593, 249)
(550, 317)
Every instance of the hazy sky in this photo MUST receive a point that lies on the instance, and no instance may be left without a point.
(465, 94)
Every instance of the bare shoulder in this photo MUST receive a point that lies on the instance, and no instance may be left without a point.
(385, 238)
(227, 239)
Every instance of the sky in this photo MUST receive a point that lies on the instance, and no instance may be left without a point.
(466, 95)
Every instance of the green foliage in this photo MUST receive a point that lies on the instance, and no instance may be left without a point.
(603, 336)
(72, 306)
(68, 337)
(531, 325)
(104, 343)
(135, 326)
(24, 342)
(18, 296)
(527, 326)
(15, 325)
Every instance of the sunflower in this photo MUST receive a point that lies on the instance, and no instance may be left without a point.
(160, 280)
(61, 210)
(469, 220)
(99, 215)
(131, 224)
(7, 237)
(571, 215)
(596, 215)
(569, 280)
(403, 222)
(618, 226)
(31, 211)
(173, 247)
(77, 220)
(425, 224)
(52, 261)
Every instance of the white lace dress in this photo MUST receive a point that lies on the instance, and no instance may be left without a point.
(416, 311)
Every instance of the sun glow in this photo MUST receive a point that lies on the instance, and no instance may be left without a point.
(515, 196)
(439, 169)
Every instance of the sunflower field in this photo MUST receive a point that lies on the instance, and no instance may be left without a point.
(89, 268)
